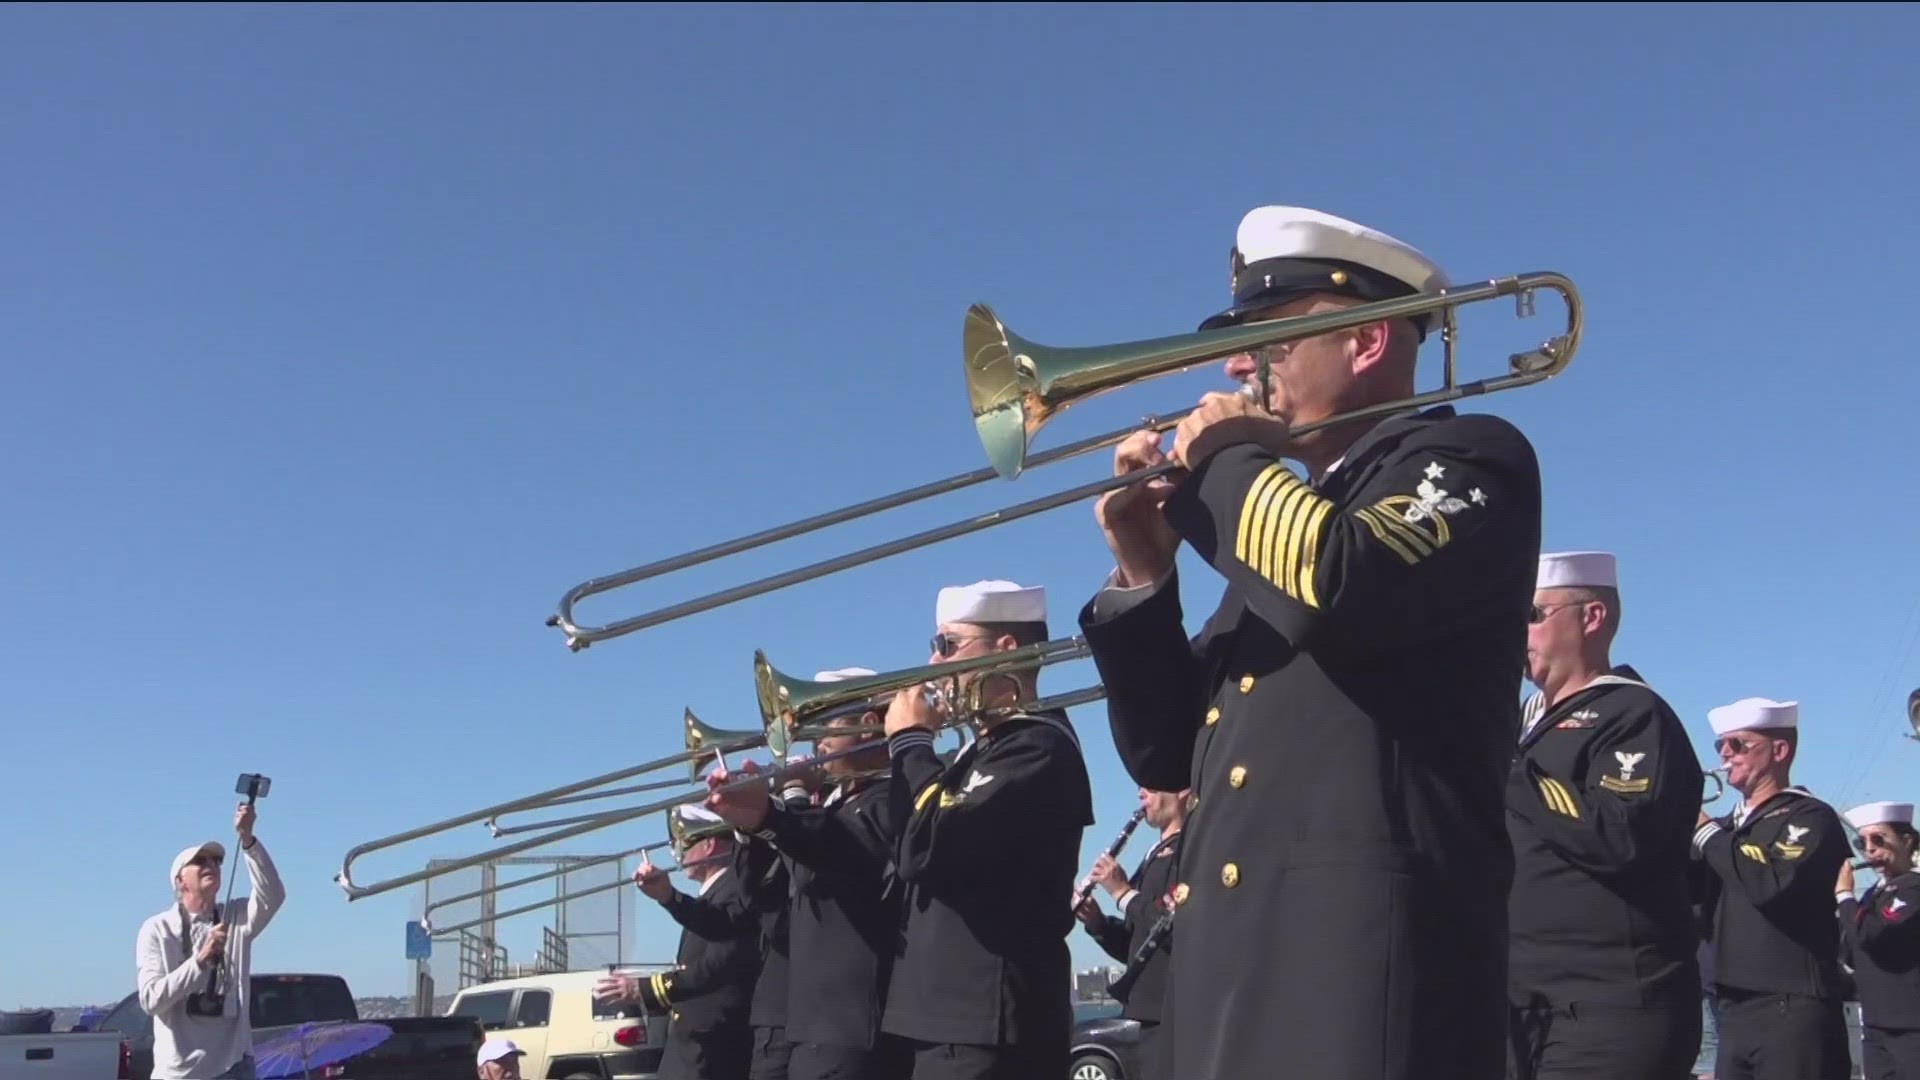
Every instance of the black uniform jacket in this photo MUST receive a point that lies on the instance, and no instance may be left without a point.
(1121, 936)
(1769, 883)
(1346, 720)
(765, 875)
(845, 926)
(710, 989)
(1601, 805)
(1880, 939)
(989, 851)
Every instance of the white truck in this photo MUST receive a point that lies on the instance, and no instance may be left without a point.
(64, 1055)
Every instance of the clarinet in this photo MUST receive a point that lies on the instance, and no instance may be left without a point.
(1148, 946)
(1113, 852)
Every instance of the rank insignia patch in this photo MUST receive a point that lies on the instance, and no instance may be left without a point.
(1752, 851)
(1625, 783)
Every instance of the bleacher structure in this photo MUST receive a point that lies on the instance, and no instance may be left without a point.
(471, 914)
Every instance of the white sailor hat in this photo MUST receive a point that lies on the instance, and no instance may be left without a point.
(1283, 252)
(1578, 569)
(1880, 813)
(1754, 714)
(690, 824)
(843, 674)
(991, 602)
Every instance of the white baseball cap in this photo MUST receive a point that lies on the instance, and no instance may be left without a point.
(495, 1049)
(180, 861)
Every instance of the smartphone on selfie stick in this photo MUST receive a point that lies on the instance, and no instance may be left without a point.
(212, 1001)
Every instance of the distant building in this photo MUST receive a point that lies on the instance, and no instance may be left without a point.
(1091, 984)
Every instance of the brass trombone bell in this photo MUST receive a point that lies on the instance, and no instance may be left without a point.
(1015, 386)
(788, 704)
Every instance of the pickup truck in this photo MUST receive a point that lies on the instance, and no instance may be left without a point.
(422, 1047)
(66, 1055)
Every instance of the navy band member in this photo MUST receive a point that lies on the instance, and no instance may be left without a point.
(767, 884)
(708, 995)
(1346, 717)
(1880, 940)
(1601, 802)
(1142, 899)
(1767, 872)
(845, 922)
(988, 850)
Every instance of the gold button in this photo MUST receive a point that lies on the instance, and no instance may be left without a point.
(1246, 684)
(1339, 277)
(1229, 875)
(1180, 893)
(1213, 716)
(1238, 776)
(676, 1014)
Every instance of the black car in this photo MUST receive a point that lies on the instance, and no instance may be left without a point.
(1104, 1044)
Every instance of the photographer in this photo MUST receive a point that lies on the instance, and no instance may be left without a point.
(194, 958)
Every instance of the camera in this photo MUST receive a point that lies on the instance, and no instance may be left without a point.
(253, 786)
(207, 1003)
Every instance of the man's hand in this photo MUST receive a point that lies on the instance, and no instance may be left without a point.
(743, 807)
(612, 988)
(243, 824)
(652, 880)
(1142, 542)
(1108, 875)
(1088, 913)
(214, 945)
(1845, 884)
(910, 709)
(1223, 420)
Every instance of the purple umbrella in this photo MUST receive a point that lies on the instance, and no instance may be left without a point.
(296, 1052)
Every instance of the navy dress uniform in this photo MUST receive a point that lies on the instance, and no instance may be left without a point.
(1345, 719)
(1880, 941)
(708, 996)
(987, 851)
(1768, 873)
(844, 925)
(1601, 803)
(1130, 938)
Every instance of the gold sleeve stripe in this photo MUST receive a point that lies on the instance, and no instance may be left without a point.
(1558, 798)
(1278, 537)
(1752, 851)
(1371, 518)
(659, 981)
(925, 795)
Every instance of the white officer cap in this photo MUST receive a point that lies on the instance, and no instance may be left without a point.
(843, 674)
(1282, 252)
(495, 1049)
(180, 861)
(1753, 714)
(1578, 569)
(1880, 813)
(991, 602)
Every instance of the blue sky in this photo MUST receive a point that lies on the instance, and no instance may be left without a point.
(339, 342)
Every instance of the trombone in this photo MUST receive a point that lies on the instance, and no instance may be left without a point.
(552, 901)
(1719, 778)
(1014, 386)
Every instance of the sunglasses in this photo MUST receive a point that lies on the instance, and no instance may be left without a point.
(947, 644)
(1739, 746)
(1539, 612)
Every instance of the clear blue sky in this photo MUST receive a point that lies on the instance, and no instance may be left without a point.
(340, 342)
